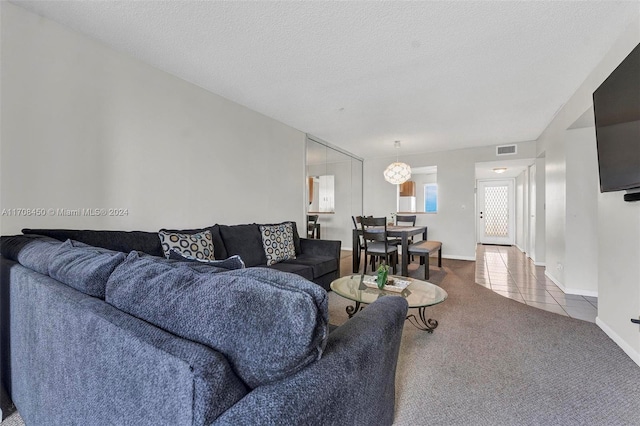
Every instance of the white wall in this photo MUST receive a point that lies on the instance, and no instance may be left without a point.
(581, 260)
(86, 126)
(555, 200)
(618, 230)
(619, 271)
(455, 222)
(540, 242)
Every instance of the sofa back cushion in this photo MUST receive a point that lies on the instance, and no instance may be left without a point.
(233, 262)
(31, 251)
(123, 241)
(85, 268)
(268, 324)
(246, 242)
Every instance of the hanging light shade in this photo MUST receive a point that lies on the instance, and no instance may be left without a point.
(397, 172)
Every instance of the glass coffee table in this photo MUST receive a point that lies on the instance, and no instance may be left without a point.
(419, 295)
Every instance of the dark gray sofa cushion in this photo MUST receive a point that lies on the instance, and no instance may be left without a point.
(32, 251)
(304, 271)
(86, 269)
(319, 264)
(233, 262)
(123, 241)
(245, 241)
(267, 323)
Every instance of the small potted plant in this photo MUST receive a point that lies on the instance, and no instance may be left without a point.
(383, 272)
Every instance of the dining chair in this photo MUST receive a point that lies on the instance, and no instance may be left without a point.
(406, 220)
(358, 229)
(312, 220)
(376, 243)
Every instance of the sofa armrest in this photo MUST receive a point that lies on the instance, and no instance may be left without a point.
(320, 247)
(353, 382)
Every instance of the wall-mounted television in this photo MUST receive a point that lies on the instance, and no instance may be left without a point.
(616, 105)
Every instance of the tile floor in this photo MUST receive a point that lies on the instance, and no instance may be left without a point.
(508, 271)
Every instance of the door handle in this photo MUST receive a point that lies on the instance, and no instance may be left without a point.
(635, 321)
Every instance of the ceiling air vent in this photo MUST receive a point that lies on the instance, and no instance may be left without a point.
(506, 149)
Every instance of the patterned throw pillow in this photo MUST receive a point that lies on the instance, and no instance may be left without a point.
(277, 241)
(198, 245)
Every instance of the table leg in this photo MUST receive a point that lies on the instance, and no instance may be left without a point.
(356, 252)
(352, 310)
(405, 257)
(421, 322)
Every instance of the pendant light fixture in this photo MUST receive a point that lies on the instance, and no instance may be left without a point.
(397, 172)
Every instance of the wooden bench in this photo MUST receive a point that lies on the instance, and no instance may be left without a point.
(424, 249)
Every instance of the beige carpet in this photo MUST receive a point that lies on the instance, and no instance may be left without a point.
(494, 361)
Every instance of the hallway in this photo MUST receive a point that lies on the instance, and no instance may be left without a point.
(508, 272)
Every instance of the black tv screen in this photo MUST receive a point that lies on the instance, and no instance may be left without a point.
(616, 106)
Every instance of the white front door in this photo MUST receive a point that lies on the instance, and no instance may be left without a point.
(496, 212)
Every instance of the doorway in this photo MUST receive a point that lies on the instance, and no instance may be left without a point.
(496, 212)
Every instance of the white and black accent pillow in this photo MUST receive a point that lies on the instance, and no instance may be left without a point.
(199, 246)
(277, 241)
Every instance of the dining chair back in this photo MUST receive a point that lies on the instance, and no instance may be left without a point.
(406, 220)
(358, 229)
(376, 243)
(312, 221)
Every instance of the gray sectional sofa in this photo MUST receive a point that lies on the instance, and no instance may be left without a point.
(316, 260)
(90, 335)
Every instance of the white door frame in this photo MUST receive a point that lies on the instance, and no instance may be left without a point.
(481, 184)
(531, 217)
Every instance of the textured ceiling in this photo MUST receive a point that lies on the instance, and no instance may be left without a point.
(435, 75)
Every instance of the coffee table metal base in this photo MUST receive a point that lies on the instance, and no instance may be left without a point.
(420, 322)
(352, 310)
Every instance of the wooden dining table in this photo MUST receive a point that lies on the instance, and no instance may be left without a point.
(403, 232)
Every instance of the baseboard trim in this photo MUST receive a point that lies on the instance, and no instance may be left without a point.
(633, 354)
(580, 292)
(540, 264)
(453, 257)
(569, 290)
(554, 279)
(521, 249)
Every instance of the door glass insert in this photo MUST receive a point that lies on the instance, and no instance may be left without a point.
(496, 214)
